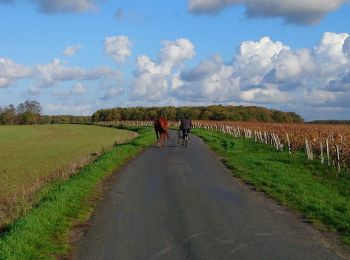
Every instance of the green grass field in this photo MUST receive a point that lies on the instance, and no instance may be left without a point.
(315, 190)
(43, 233)
(33, 155)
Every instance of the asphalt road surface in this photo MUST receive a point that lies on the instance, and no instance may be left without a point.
(182, 203)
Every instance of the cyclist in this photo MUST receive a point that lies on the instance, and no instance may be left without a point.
(185, 127)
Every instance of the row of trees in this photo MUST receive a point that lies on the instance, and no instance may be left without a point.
(219, 112)
(28, 112)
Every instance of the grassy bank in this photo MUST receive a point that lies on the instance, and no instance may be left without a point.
(317, 191)
(43, 232)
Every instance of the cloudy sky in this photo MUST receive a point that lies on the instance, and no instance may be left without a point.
(77, 56)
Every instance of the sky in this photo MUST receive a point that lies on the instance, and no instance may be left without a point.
(78, 56)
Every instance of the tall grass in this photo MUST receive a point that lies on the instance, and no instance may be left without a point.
(43, 232)
(319, 192)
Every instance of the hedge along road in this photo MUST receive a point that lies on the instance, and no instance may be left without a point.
(182, 203)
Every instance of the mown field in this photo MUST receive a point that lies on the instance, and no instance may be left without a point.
(33, 155)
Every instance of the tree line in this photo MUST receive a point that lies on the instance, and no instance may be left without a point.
(217, 112)
(29, 113)
(25, 113)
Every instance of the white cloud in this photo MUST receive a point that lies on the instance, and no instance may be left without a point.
(269, 95)
(217, 84)
(330, 48)
(71, 50)
(263, 72)
(118, 47)
(292, 11)
(346, 47)
(292, 65)
(254, 60)
(175, 53)
(320, 97)
(153, 79)
(54, 72)
(11, 71)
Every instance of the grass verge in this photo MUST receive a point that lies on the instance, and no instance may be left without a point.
(317, 191)
(43, 233)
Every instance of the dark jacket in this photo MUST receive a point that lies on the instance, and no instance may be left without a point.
(186, 124)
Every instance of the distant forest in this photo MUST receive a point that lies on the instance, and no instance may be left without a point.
(219, 112)
(29, 112)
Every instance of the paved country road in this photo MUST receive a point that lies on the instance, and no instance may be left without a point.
(182, 203)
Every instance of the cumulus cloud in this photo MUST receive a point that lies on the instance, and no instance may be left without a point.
(256, 59)
(346, 47)
(55, 71)
(268, 95)
(11, 71)
(153, 79)
(118, 47)
(262, 72)
(57, 74)
(292, 11)
(71, 50)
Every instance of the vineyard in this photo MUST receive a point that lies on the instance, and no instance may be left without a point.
(330, 144)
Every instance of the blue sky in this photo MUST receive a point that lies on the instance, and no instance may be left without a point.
(78, 56)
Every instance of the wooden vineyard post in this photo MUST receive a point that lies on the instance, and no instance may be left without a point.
(338, 157)
(308, 150)
(288, 141)
(328, 159)
(321, 148)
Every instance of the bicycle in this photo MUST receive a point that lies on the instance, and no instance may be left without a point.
(179, 138)
(186, 140)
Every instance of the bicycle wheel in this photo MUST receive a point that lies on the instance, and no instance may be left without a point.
(185, 141)
(179, 139)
